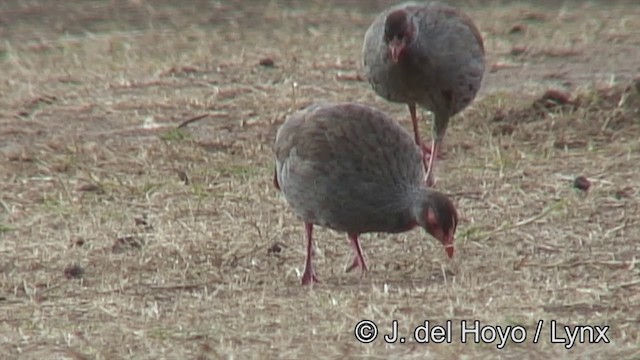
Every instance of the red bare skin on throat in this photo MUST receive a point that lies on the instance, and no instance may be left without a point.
(436, 230)
(398, 33)
(396, 50)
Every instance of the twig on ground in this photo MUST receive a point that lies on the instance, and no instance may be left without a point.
(192, 120)
(524, 222)
(625, 284)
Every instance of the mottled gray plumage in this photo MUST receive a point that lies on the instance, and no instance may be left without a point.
(439, 62)
(351, 168)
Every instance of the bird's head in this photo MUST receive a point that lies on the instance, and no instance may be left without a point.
(399, 31)
(438, 216)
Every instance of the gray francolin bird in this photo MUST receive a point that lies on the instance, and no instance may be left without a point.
(353, 169)
(431, 55)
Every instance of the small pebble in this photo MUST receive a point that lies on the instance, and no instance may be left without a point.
(582, 183)
(517, 28)
(268, 62)
(73, 272)
(276, 248)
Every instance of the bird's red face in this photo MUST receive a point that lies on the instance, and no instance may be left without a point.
(441, 221)
(396, 49)
(398, 32)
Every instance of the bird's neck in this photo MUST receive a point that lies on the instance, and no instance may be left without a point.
(399, 213)
(418, 198)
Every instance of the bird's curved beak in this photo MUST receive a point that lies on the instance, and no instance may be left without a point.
(395, 47)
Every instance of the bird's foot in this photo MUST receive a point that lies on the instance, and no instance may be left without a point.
(357, 263)
(429, 181)
(426, 150)
(309, 276)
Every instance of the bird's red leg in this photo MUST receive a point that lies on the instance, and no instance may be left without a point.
(425, 148)
(309, 276)
(414, 122)
(275, 179)
(416, 135)
(435, 149)
(358, 259)
(440, 124)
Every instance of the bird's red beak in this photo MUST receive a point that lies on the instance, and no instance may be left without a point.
(449, 249)
(448, 246)
(396, 46)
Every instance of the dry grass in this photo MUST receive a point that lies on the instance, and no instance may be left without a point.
(123, 236)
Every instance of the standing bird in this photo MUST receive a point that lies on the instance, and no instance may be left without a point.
(352, 168)
(426, 54)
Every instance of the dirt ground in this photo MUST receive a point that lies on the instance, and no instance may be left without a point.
(124, 235)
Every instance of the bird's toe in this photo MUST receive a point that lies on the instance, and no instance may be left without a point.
(309, 277)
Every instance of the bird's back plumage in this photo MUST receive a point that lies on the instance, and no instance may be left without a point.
(348, 167)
